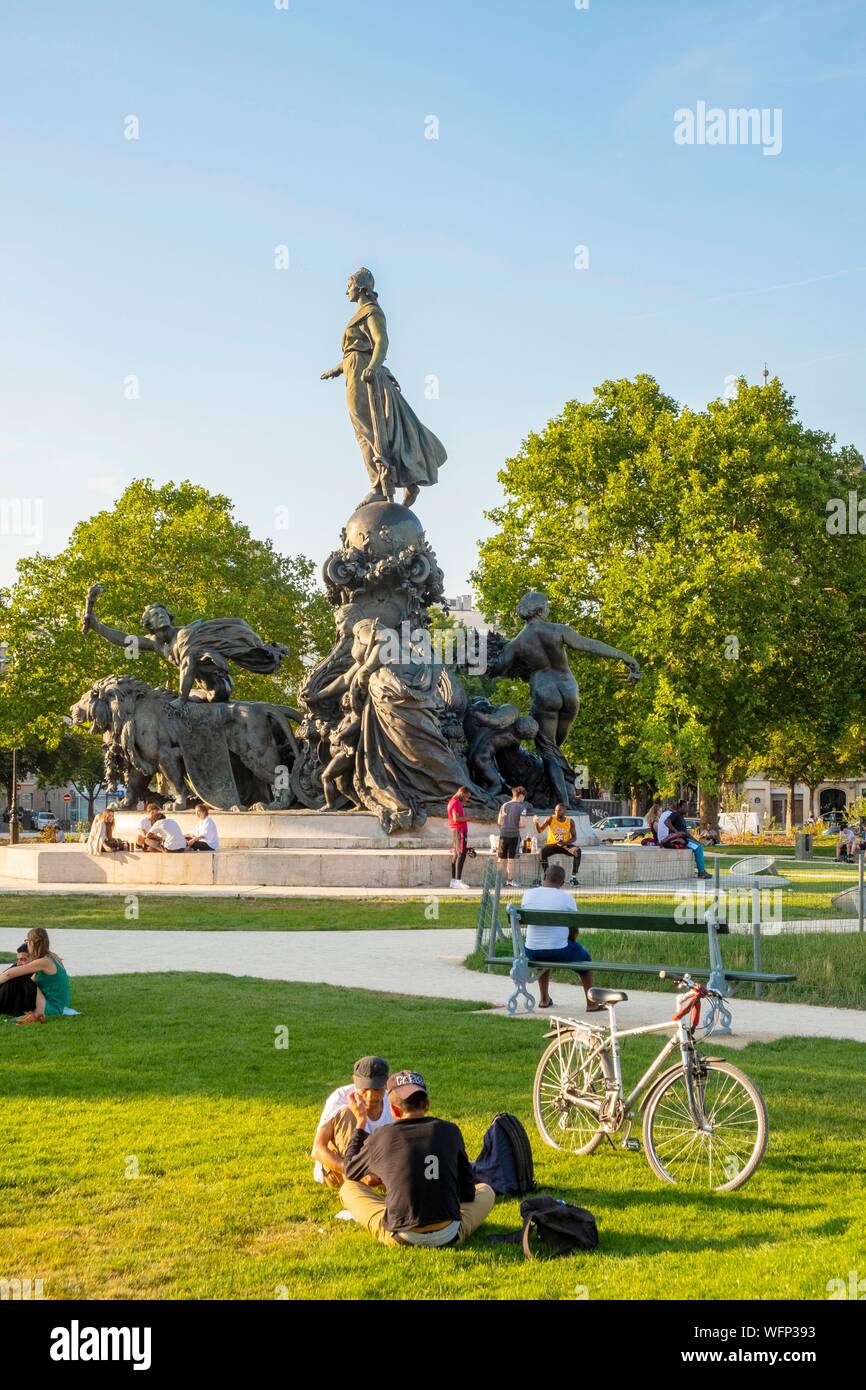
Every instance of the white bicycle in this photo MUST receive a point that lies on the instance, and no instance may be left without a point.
(704, 1120)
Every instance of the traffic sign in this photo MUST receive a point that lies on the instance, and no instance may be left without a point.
(67, 796)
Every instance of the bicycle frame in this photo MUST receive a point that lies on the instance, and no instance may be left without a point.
(606, 1045)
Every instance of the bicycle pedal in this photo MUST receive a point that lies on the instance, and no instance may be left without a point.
(633, 1145)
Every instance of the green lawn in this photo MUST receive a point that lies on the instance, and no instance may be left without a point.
(830, 968)
(177, 1078)
(158, 913)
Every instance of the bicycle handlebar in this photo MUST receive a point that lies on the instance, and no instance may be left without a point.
(695, 993)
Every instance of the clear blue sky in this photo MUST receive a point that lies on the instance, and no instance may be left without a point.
(261, 126)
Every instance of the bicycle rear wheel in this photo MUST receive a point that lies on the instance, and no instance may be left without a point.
(567, 1082)
(725, 1156)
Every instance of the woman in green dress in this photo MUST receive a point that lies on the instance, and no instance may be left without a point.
(398, 451)
(49, 976)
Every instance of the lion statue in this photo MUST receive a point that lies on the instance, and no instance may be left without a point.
(236, 754)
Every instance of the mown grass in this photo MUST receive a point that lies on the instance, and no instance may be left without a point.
(158, 913)
(830, 967)
(178, 1078)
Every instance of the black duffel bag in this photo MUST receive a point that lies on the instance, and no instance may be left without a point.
(560, 1228)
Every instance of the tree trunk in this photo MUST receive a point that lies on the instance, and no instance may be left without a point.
(789, 808)
(708, 808)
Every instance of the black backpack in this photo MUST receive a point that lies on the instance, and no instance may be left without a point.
(559, 1227)
(505, 1160)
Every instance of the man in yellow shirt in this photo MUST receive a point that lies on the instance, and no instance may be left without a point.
(561, 836)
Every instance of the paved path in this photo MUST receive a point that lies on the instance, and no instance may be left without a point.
(412, 962)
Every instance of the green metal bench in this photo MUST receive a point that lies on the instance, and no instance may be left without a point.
(525, 972)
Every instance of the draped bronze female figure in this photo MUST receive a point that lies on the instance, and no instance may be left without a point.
(398, 451)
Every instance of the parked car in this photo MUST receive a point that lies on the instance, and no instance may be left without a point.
(612, 828)
(42, 819)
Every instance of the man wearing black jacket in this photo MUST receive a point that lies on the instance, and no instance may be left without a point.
(431, 1195)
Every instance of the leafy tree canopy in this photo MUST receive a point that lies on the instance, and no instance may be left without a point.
(697, 541)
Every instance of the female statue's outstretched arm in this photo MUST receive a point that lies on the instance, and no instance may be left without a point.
(593, 648)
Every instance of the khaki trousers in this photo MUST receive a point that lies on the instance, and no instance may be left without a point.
(344, 1128)
(368, 1209)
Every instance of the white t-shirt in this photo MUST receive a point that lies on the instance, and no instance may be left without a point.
(170, 833)
(662, 827)
(550, 900)
(338, 1100)
(206, 830)
(144, 825)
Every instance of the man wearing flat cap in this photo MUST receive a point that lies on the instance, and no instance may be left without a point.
(337, 1122)
(432, 1197)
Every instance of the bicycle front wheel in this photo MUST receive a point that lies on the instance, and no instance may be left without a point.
(725, 1154)
(569, 1085)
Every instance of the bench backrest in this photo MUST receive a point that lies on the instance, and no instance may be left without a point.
(603, 921)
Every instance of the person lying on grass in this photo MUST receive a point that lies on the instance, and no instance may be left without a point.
(18, 996)
(432, 1196)
(337, 1122)
(48, 974)
(557, 944)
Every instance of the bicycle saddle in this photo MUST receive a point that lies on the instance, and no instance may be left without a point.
(606, 996)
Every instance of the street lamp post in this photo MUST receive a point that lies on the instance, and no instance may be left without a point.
(13, 805)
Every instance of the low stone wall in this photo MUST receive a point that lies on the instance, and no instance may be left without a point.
(314, 867)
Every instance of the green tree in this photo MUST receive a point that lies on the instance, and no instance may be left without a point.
(697, 541)
(799, 751)
(75, 761)
(178, 544)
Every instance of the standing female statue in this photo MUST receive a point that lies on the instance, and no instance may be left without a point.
(398, 451)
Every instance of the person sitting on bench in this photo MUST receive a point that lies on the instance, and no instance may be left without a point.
(557, 944)
(673, 833)
(337, 1122)
(561, 836)
(432, 1196)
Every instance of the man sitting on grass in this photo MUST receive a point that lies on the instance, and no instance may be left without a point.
(557, 944)
(18, 995)
(432, 1197)
(337, 1122)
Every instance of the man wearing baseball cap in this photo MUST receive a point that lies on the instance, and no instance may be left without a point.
(337, 1121)
(431, 1194)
